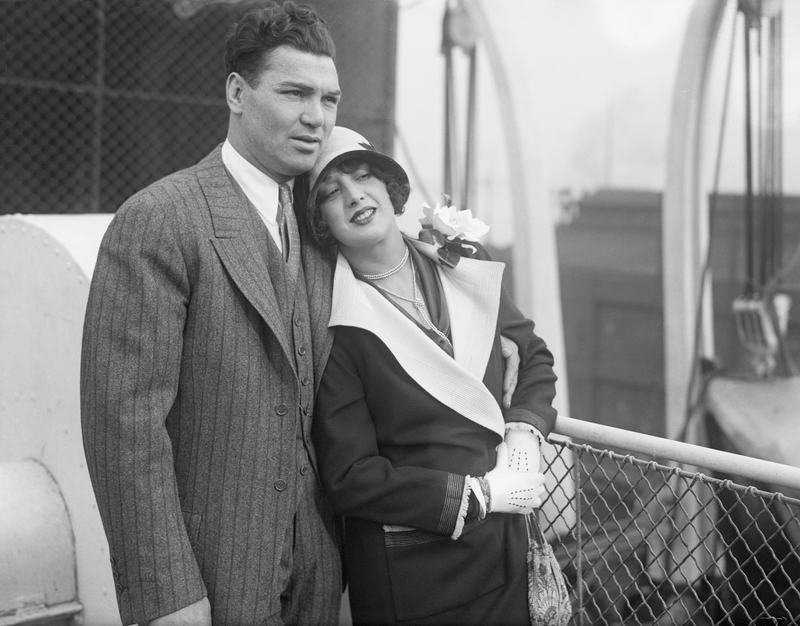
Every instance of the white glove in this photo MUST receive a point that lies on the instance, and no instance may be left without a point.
(524, 454)
(510, 491)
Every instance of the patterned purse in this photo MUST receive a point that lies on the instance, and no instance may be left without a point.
(548, 599)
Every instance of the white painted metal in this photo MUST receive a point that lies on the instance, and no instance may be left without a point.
(37, 553)
(685, 211)
(45, 266)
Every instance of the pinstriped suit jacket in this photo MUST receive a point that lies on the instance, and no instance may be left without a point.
(190, 398)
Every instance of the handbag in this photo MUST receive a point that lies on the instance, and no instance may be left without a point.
(548, 599)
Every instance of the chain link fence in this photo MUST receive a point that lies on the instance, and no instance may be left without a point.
(99, 98)
(658, 545)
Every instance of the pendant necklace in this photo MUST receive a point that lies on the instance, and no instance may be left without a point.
(417, 301)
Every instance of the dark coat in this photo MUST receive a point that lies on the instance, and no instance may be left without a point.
(196, 422)
(400, 424)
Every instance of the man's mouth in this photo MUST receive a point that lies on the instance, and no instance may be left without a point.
(362, 216)
(309, 140)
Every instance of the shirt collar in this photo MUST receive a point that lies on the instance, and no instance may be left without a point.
(259, 188)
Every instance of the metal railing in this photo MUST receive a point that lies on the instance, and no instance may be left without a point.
(651, 543)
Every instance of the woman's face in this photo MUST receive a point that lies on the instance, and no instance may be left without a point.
(356, 206)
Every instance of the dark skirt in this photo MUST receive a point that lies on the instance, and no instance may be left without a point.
(415, 577)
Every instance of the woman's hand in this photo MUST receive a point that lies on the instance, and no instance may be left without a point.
(510, 369)
(511, 491)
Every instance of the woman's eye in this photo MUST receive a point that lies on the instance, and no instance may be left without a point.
(327, 194)
(364, 176)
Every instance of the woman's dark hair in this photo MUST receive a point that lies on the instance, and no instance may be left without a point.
(261, 31)
(398, 193)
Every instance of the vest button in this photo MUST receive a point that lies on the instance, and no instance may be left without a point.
(304, 380)
(297, 321)
(303, 470)
(280, 484)
(281, 409)
(301, 350)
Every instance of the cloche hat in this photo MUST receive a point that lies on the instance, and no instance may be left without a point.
(344, 144)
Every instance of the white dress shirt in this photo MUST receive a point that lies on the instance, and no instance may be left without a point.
(259, 188)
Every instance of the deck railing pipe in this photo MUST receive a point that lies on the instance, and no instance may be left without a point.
(667, 449)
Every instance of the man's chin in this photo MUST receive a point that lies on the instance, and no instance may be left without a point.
(301, 166)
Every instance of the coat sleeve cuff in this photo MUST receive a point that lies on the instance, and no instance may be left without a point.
(454, 504)
(525, 428)
(462, 511)
(518, 414)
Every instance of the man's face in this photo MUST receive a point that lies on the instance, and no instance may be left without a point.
(279, 124)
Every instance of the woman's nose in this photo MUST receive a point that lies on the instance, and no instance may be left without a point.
(353, 193)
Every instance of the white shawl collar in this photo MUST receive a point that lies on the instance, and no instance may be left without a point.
(472, 290)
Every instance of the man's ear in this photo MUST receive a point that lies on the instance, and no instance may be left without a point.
(234, 92)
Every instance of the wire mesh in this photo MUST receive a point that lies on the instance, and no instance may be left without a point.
(659, 545)
(99, 98)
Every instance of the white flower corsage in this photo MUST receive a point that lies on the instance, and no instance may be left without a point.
(450, 229)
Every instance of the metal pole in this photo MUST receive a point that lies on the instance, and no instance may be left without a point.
(469, 159)
(749, 216)
(451, 183)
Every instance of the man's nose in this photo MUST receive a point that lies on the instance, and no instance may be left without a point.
(313, 114)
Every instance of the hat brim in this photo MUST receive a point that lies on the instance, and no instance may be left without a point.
(368, 156)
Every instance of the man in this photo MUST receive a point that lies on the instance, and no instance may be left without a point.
(205, 337)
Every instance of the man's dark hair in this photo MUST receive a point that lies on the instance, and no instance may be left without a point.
(259, 32)
(398, 193)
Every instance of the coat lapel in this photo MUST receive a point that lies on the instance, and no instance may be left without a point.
(473, 303)
(472, 290)
(318, 274)
(236, 226)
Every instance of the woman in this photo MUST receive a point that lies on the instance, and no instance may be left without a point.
(408, 427)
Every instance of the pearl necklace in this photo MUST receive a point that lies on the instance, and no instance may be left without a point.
(418, 302)
(390, 272)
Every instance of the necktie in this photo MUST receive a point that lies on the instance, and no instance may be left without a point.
(290, 236)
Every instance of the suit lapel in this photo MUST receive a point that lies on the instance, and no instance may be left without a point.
(318, 275)
(236, 228)
(456, 383)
